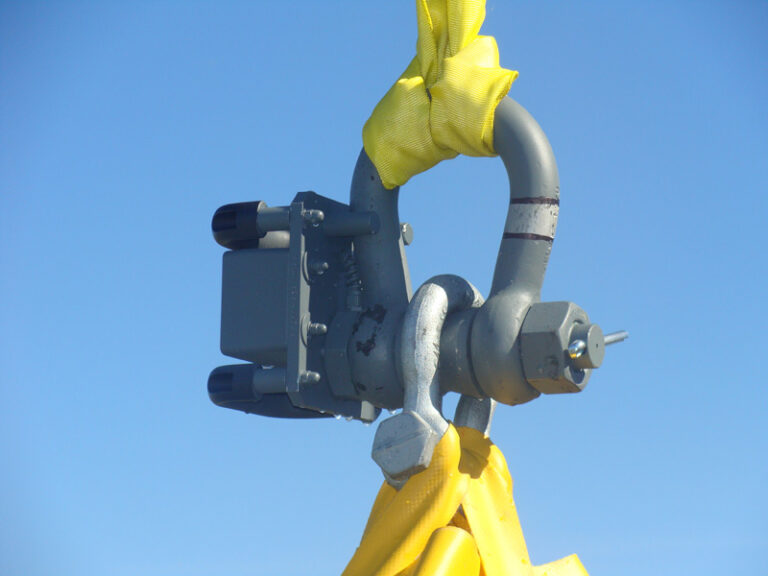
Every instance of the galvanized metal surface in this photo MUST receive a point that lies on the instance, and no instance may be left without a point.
(404, 443)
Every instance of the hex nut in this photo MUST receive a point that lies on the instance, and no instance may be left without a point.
(544, 340)
(403, 446)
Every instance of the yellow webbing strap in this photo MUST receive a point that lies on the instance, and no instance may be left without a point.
(402, 522)
(444, 102)
(457, 517)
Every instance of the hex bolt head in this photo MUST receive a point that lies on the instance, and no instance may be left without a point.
(403, 446)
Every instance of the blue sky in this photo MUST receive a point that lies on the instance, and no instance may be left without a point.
(123, 126)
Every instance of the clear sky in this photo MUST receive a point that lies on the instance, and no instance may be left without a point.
(124, 125)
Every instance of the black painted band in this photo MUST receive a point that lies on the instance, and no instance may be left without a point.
(536, 200)
(526, 236)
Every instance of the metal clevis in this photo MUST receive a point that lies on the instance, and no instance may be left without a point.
(316, 298)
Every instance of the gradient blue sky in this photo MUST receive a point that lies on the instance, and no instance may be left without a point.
(123, 126)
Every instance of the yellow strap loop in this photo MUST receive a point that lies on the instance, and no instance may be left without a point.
(401, 522)
(455, 517)
(444, 102)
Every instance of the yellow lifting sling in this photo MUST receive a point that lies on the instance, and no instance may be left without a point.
(458, 516)
(444, 102)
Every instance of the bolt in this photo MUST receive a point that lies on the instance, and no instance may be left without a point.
(317, 328)
(403, 446)
(309, 377)
(313, 217)
(319, 267)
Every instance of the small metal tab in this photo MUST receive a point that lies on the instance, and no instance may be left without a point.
(406, 233)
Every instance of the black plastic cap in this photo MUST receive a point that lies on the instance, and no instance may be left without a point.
(231, 387)
(235, 226)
